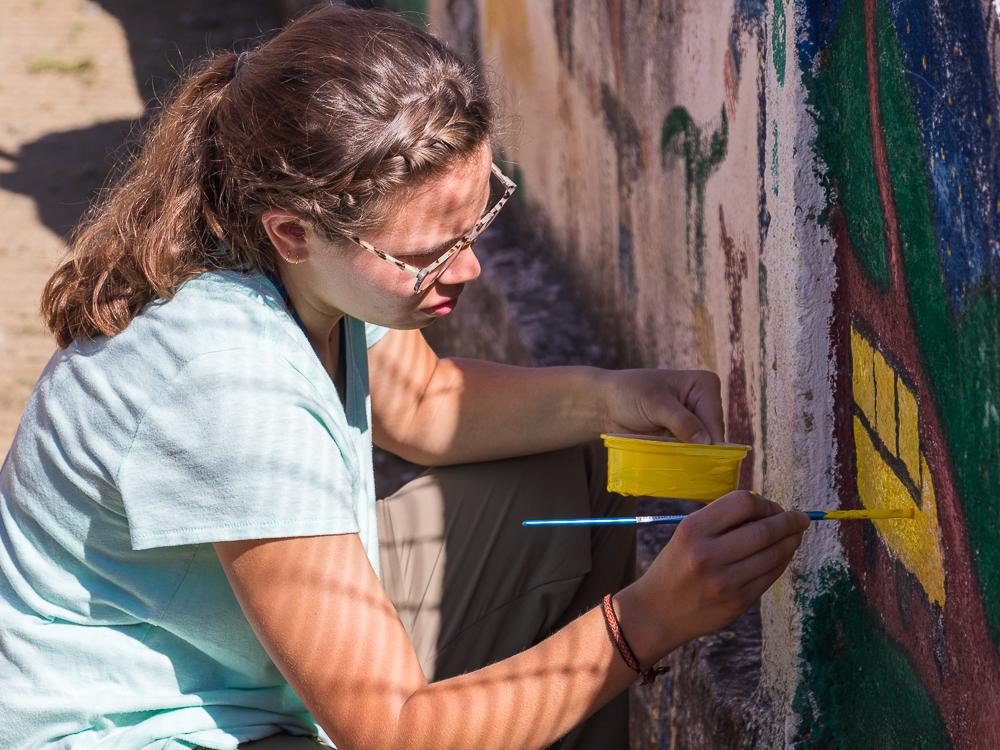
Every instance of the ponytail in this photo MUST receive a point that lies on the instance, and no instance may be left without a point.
(148, 233)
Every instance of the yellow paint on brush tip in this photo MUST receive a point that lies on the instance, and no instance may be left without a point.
(879, 513)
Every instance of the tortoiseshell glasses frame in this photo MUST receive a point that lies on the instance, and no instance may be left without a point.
(431, 271)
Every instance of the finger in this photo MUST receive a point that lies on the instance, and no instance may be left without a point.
(754, 589)
(705, 399)
(750, 538)
(732, 510)
(776, 555)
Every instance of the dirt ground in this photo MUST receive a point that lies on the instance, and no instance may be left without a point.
(78, 77)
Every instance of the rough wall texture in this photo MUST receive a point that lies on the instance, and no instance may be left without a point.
(904, 97)
(802, 195)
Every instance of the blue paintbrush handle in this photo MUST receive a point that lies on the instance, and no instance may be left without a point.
(814, 515)
(622, 521)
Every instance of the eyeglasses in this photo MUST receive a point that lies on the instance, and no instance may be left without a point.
(430, 273)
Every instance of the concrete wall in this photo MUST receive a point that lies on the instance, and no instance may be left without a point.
(803, 196)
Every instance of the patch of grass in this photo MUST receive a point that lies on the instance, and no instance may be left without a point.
(47, 64)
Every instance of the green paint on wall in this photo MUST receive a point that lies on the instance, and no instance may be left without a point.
(959, 354)
(414, 10)
(517, 175)
(681, 137)
(839, 96)
(961, 357)
(858, 688)
(513, 170)
(778, 40)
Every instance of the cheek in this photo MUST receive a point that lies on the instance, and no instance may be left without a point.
(384, 285)
(391, 282)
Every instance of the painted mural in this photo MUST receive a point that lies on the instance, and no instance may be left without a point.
(654, 143)
(901, 648)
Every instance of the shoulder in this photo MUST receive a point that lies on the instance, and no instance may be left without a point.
(217, 326)
(215, 312)
(220, 309)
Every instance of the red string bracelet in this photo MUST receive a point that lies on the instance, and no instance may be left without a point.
(618, 639)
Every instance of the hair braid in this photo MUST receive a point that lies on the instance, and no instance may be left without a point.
(331, 119)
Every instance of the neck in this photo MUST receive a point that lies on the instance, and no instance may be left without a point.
(320, 322)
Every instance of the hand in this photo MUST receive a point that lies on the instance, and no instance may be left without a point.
(718, 562)
(688, 403)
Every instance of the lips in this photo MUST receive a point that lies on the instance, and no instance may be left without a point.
(442, 308)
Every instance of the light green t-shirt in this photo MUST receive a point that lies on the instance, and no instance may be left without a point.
(209, 418)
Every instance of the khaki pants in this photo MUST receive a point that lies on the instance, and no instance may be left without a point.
(472, 586)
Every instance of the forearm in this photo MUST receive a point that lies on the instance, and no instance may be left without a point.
(472, 410)
(529, 700)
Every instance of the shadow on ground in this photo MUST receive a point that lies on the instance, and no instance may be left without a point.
(62, 171)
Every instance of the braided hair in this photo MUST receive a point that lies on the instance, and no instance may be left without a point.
(330, 119)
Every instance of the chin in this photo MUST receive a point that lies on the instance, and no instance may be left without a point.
(399, 319)
(420, 324)
(405, 324)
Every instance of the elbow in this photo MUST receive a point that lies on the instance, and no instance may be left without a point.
(419, 725)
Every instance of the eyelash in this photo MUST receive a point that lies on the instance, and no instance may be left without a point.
(425, 257)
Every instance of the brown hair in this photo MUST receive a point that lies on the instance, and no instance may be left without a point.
(329, 119)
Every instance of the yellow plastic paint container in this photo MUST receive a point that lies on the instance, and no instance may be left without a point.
(664, 467)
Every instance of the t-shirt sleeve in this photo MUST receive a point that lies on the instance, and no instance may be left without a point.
(238, 446)
(374, 333)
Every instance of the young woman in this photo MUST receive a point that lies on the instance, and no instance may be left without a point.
(192, 554)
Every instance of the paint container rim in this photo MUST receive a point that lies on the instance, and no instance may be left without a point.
(670, 446)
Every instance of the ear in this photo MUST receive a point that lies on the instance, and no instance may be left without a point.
(289, 234)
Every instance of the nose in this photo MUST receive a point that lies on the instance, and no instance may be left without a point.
(463, 269)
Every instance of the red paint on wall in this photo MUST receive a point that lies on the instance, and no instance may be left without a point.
(950, 648)
(740, 423)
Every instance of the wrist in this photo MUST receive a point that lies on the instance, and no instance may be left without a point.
(602, 392)
(650, 638)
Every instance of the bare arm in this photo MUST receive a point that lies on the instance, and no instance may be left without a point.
(321, 613)
(447, 411)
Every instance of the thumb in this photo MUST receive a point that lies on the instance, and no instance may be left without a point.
(684, 424)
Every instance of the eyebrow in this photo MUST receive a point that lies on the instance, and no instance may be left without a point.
(437, 248)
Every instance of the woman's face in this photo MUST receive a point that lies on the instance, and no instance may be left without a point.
(341, 277)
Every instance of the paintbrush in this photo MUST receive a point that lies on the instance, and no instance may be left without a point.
(814, 515)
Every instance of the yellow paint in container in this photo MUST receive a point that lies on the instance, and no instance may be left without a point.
(664, 467)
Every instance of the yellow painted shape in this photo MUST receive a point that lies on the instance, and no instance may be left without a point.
(880, 513)
(863, 375)
(885, 402)
(704, 336)
(508, 37)
(662, 467)
(915, 543)
(909, 432)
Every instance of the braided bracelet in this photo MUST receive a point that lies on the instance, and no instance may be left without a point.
(618, 639)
